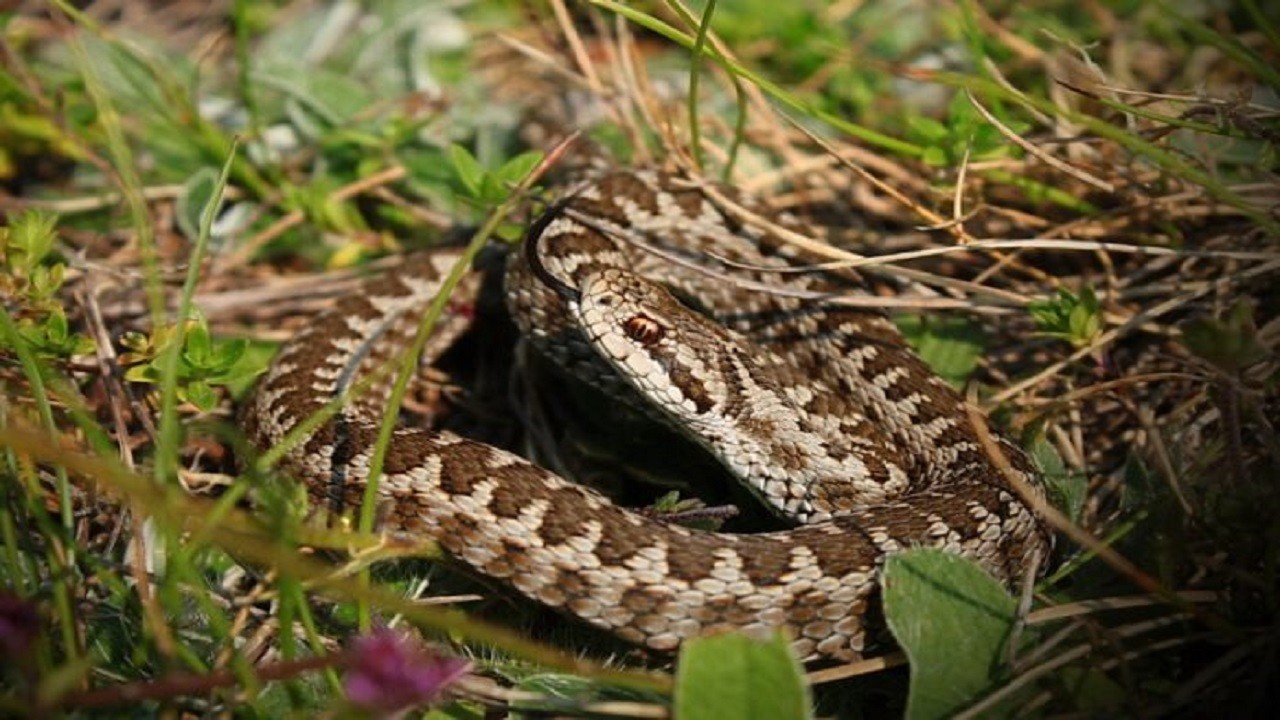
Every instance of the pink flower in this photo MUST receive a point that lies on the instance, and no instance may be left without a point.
(387, 673)
(19, 625)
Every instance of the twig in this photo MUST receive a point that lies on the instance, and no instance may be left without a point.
(853, 669)
(185, 684)
(1033, 149)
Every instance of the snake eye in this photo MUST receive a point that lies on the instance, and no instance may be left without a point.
(643, 329)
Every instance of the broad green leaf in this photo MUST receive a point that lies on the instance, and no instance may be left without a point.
(950, 345)
(514, 170)
(491, 190)
(734, 676)
(1231, 344)
(952, 620)
(227, 353)
(926, 129)
(469, 170)
(199, 393)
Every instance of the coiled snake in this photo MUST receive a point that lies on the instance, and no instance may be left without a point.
(821, 409)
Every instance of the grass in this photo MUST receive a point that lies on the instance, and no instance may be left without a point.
(1072, 207)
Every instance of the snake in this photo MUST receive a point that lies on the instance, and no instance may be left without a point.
(664, 291)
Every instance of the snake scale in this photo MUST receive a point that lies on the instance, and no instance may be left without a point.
(820, 409)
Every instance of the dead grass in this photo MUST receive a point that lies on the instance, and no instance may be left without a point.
(1122, 166)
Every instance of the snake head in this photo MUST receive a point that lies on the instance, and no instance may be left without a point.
(699, 373)
(663, 348)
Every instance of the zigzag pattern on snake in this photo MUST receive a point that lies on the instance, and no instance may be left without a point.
(822, 410)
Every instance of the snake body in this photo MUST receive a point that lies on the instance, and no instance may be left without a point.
(822, 410)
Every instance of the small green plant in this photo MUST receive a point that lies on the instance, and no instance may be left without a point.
(947, 141)
(33, 278)
(1230, 344)
(52, 337)
(1076, 318)
(24, 245)
(204, 362)
(488, 188)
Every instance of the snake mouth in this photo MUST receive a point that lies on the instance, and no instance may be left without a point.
(534, 258)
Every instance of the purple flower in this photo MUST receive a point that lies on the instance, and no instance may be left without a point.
(19, 623)
(387, 673)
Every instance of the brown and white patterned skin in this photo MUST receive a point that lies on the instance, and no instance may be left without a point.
(823, 411)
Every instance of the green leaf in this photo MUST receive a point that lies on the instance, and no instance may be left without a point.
(227, 353)
(252, 363)
(1230, 344)
(56, 327)
(1083, 322)
(456, 710)
(492, 191)
(141, 374)
(1068, 490)
(557, 685)
(467, 168)
(952, 620)
(52, 336)
(1094, 694)
(668, 502)
(950, 345)
(31, 235)
(926, 130)
(138, 345)
(199, 393)
(936, 156)
(199, 349)
(197, 191)
(559, 695)
(734, 676)
(514, 170)
(45, 281)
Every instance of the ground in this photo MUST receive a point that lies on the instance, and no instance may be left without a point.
(1070, 210)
